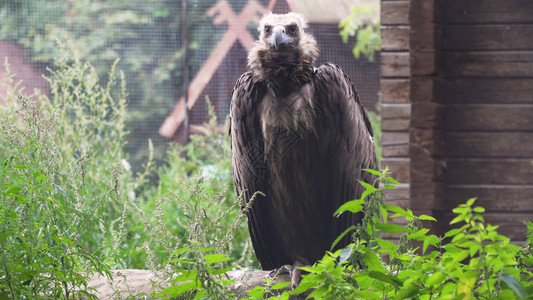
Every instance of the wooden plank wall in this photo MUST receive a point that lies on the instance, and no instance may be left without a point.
(486, 87)
(395, 107)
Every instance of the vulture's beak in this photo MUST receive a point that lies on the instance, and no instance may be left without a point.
(279, 36)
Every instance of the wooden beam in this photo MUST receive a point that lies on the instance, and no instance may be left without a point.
(395, 111)
(510, 224)
(488, 37)
(488, 64)
(395, 90)
(489, 144)
(395, 125)
(399, 168)
(394, 138)
(394, 12)
(488, 11)
(394, 64)
(490, 117)
(494, 197)
(488, 171)
(486, 90)
(394, 38)
(396, 150)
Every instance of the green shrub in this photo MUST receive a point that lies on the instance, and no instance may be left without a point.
(476, 263)
(62, 182)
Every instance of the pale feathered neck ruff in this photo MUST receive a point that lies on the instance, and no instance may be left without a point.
(291, 66)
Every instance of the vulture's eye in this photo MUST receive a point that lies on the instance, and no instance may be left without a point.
(293, 28)
(268, 29)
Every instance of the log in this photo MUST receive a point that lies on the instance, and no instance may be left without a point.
(131, 283)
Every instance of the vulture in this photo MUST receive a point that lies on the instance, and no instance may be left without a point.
(300, 136)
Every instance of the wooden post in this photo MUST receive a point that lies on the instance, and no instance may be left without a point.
(425, 134)
(395, 106)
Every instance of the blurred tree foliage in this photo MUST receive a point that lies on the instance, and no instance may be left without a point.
(363, 23)
(144, 34)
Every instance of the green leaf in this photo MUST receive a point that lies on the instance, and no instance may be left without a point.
(337, 240)
(479, 209)
(514, 284)
(353, 206)
(385, 278)
(426, 217)
(215, 258)
(384, 244)
(345, 254)
(457, 219)
(393, 181)
(452, 232)
(470, 201)
(185, 276)
(369, 188)
(214, 271)
(430, 240)
(280, 285)
(419, 235)
(396, 209)
(372, 261)
(391, 228)
(178, 289)
(436, 279)
(371, 171)
(181, 250)
(257, 292)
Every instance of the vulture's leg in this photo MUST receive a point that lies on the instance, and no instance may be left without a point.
(296, 274)
(293, 271)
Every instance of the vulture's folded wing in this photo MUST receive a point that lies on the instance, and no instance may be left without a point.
(248, 163)
(352, 134)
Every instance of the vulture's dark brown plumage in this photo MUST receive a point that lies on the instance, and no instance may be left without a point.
(299, 135)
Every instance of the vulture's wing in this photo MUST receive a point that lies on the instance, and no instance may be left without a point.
(337, 99)
(248, 163)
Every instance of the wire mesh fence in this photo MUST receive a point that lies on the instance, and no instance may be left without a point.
(161, 58)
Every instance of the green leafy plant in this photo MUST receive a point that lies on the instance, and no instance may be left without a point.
(61, 182)
(477, 262)
(363, 23)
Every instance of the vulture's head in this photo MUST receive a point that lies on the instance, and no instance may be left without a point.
(282, 42)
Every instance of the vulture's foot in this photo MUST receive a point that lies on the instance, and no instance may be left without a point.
(286, 269)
